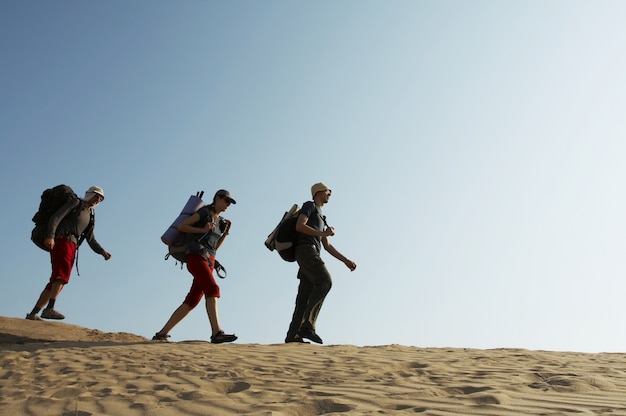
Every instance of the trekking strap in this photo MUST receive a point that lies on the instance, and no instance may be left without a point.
(220, 270)
(167, 256)
(77, 270)
(82, 238)
(325, 223)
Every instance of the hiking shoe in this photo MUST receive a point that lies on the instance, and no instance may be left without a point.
(160, 337)
(33, 317)
(308, 333)
(297, 339)
(51, 314)
(221, 337)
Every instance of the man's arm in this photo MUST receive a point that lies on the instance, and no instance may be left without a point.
(303, 228)
(336, 254)
(56, 219)
(94, 244)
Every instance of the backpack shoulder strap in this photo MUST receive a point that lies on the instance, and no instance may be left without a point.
(89, 229)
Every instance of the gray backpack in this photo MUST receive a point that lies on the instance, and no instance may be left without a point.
(178, 244)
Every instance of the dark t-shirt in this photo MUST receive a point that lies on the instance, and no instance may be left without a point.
(70, 221)
(315, 221)
(208, 246)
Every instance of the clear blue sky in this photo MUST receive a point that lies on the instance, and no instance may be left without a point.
(475, 150)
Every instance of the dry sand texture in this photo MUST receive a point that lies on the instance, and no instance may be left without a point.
(50, 368)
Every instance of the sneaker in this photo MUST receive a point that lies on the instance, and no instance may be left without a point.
(160, 337)
(221, 337)
(33, 317)
(309, 333)
(51, 314)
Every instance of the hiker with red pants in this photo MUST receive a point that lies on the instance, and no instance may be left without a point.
(67, 228)
(200, 259)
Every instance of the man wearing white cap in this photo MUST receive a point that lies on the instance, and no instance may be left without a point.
(315, 281)
(67, 228)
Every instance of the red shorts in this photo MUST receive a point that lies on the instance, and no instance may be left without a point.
(62, 258)
(203, 282)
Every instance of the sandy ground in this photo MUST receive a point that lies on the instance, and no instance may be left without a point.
(51, 368)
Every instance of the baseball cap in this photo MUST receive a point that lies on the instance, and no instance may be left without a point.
(225, 194)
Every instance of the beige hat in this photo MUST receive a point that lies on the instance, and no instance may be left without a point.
(94, 190)
(319, 187)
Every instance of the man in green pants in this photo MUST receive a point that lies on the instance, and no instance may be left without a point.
(315, 281)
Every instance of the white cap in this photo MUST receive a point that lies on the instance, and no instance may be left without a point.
(94, 190)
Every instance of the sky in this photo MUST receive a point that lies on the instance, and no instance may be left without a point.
(475, 150)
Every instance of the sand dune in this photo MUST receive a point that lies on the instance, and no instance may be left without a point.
(51, 368)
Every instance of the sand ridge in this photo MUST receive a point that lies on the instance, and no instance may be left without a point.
(88, 372)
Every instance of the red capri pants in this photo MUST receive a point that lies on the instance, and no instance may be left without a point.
(62, 258)
(203, 282)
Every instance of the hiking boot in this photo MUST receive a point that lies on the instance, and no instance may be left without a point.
(309, 333)
(50, 313)
(221, 337)
(160, 337)
(33, 317)
(297, 339)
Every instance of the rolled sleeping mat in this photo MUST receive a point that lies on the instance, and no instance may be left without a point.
(193, 204)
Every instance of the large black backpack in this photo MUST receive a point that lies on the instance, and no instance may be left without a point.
(284, 237)
(51, 200)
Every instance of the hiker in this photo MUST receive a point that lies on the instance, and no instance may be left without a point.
(207, 225)
(65, 228)
(315, 281)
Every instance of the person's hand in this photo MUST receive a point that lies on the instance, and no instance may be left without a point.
(208, 227)
(329, 231)
(350, 264)
(106, 255)
(49, 243)
(227, 229)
